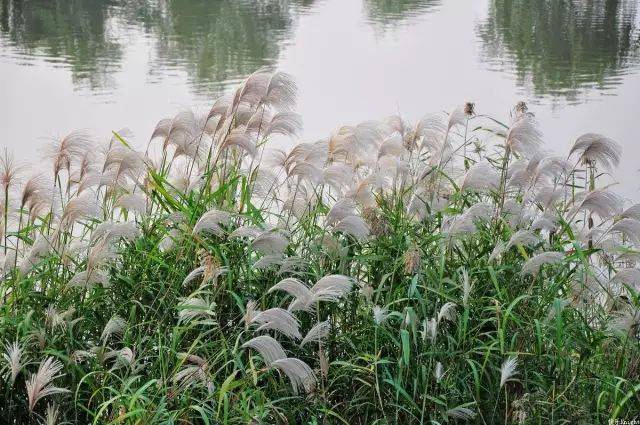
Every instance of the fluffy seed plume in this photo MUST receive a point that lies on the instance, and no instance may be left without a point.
(298, 372)
(39, 385)
(508, 370)
(268, 347)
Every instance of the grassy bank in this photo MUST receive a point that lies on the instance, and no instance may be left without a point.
(434, 272)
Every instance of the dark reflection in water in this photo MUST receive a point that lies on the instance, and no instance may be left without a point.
(214, 41)
(390, 12)
(75, 33)
(562, 48)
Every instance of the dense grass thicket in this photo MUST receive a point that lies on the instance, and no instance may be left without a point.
(441, 272)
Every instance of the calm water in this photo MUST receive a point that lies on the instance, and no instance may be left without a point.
(104, 65)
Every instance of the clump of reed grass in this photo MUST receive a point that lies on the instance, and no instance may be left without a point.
(444, 271)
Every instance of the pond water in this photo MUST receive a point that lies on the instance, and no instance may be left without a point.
(104, 65)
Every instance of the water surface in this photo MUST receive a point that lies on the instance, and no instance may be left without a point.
(103, 65)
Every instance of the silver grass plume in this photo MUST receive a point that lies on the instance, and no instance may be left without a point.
(51, 415)
(279, 320)
(115, 326)
(462, 413)
(595, 148)
(354, 226)
(467, 287)
(480, 177)
(268, 347)
(632, 212)
(602, 202)
(195, 307)
(447, 312)
(298, 372)
(508, 370)
(629, 227)
(317, 333)
(380, 314)
(524, 137)
(532, 266)
(132, 202)
(39, 385)
(13, 356)
(523, 237)
(211, 221)
(271, 242)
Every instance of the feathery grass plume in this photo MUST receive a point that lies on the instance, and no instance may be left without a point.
(245, 232)
(39, 385)
(480, 177)
(523, 237)
(298, 372)
(532, 266)
(114, 327)
(629, 227)
(508, 370)
(524, 137)
(40, 249)
(412, 259)
(268, 261)
(595, 148)
(345, 207)
(354, 226)
(193, 275)
(89, 278)
(132, 202)
(51, 415)
(194, 370)
(438, 373)
(81, 207)
(13, 356)
(602, 202)
(466, 222)
(461, 413)
(380, 314)
(271, 242)
(447, 312)
(317, 333)
(268, 347)
(628, 276)
(632, 212)
(211, 222)
(625, 321)
(294, 287)
(545, 222)
(284, 123)
(64, 151)
(467, 287)
(168, 241)
(279, 320)
(250, 312)
(195, 307)
(113, 231)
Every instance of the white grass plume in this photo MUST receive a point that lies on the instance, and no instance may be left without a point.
(211, 222)
(480, 177)
(592, 147)
(629, 227)
(39, 385)
(268, 347)
(602, 202)
(114, 327)
(14, 357)
(298, 372)
(462, 413)
(279, 320)
(271, 242)
(508, 370)
(533, 265)
(317, 333)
